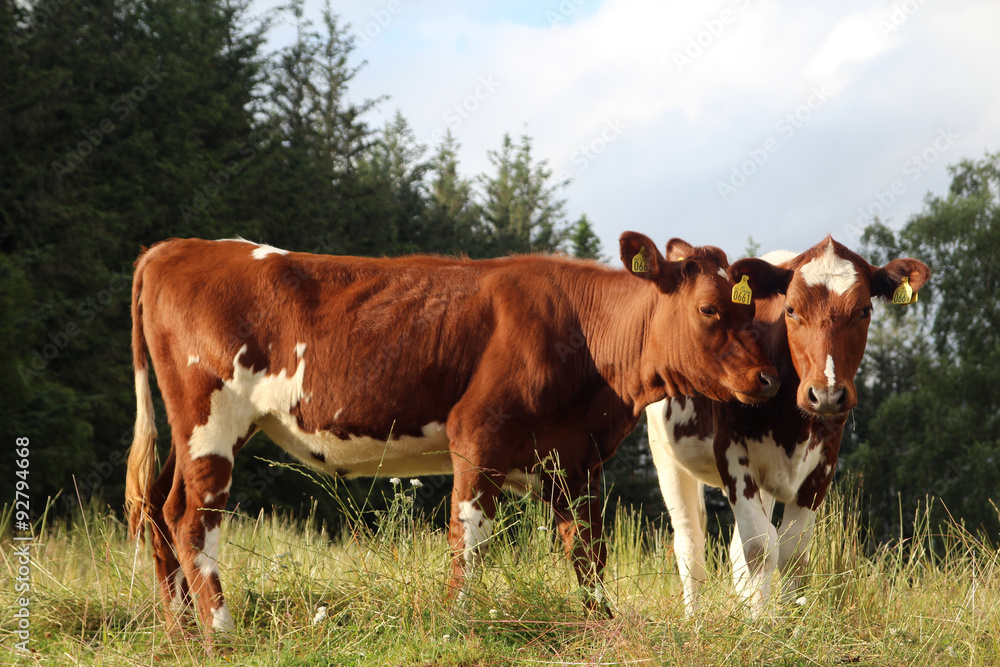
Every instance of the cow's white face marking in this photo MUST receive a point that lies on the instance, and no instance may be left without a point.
(829, 269)
(478, 528)
(262, 251)
(193, 359)
(722, 272)
(831, 374)
(300, 350)
(207, 561)
(242, 399)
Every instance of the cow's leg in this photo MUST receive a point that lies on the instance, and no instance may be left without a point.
(684, 497)
(194, 515)
(794, 537)
(473, 508)
(754, 550)
(743, 575)
(575, 498)
(173, 584)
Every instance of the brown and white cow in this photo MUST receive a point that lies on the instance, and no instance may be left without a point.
(814, 329)
(411, 366)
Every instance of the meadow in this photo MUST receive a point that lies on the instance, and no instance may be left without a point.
(373, 594)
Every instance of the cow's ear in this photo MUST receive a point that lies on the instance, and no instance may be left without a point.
(678, 249)
(765, 279)
(640, 256)
(889, 277)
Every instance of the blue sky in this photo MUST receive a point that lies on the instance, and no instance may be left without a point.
(711, 121)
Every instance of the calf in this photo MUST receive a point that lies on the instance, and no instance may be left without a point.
(414, 366)
(814, 329)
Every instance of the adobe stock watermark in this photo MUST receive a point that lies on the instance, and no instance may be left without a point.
(703, 40)
(21, 555)
(217, 181)
(122, 107)
(44, 12)
(912, 169)
(86, 312)
(898, 16)
(786, 127)
(380, 20)
(469, 105)
(590, 151)
(563, 12)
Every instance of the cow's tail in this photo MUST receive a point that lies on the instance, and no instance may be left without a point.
(142, 456)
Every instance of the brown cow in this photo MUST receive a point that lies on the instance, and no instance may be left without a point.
(814, 330)
(412, 366)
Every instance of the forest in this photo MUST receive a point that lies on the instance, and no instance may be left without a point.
(125, 122)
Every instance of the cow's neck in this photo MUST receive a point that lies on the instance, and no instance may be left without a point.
(617, 327)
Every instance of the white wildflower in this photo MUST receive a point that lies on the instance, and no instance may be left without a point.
(320, 615)
(494, 613)
(416, 483)
(446, 637)
(394, 481)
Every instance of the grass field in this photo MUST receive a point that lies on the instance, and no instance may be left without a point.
(376, 598)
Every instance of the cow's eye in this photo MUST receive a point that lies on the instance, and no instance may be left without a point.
(709, 311)
(790, 312)
(866, 312)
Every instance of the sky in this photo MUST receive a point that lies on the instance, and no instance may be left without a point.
(710, 121)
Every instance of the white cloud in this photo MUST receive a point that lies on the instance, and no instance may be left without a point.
(698, 87)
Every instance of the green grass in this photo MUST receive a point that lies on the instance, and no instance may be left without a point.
(94, 598)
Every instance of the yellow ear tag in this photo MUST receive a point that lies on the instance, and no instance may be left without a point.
(904, 293)
(742, 292)
(639, 263)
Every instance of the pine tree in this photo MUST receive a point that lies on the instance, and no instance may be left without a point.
(584, 241)
(521, 210)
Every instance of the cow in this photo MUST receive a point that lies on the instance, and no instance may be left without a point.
(413, 366)
(814, 328)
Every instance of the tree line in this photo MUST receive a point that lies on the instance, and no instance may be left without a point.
(124, 122)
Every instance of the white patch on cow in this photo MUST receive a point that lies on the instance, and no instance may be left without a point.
(722, 272)
(679, 415)
(736, 469)
(262, 251)
(829, 372)
(692, 452)
(193, 359)
(240, 401)
(776, 472)
(830, 270)
(300, 350)
(222, 620)
(478, 528)
(207, 561)
(362, 456)
(177, 603)
(336, 415)
(778, 257)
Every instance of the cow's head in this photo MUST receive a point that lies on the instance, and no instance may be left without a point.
(827, 308)
(698, 340)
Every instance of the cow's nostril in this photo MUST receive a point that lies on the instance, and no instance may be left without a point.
(812, 396)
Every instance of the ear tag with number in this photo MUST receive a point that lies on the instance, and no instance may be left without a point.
(741, 292)
(904, 293)
(639, 263)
